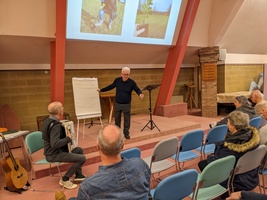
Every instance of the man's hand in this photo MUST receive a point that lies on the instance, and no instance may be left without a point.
(234, 196)
(141, 96)
(69, 134)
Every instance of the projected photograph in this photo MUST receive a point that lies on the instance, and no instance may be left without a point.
(129, 21)
(102, 16)
(152, 18)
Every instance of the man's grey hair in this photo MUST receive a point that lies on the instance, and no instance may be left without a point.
(126, 69)
(238, 119)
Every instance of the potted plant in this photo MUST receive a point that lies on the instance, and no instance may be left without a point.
(145, 11)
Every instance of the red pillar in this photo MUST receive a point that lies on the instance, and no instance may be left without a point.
(57, 54)
(175, 57)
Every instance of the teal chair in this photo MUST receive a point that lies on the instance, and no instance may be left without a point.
(34, 143)
(131, 153)
(176, 186)
(208, 182)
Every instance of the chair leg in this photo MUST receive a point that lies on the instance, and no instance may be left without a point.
(59, 171)
(263, 184)
(181, 168)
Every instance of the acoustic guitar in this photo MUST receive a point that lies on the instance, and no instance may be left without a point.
(16, 175)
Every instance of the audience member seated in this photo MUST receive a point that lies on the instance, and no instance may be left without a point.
(56, 146)
(263, 130)
(246, 195)
(242, 104)
(257, 99)
(242, 138)
(118, 178)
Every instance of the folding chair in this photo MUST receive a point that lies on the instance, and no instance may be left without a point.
(158, 161)
(176, 186)
(131, 153)
(187, 147)
(214, 135)
(249, 161)
(208, 182)
(256, 122)
(34, 143)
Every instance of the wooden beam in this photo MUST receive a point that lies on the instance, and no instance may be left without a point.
(176, 56)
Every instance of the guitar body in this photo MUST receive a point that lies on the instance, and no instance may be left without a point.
(15, 178)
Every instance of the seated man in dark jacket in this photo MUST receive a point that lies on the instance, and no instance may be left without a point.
(242, 138)
(56, 146)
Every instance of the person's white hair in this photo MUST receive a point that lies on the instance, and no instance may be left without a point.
(125, 69)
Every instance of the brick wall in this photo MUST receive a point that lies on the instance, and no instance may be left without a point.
(220, 78)
(233, 78)
(28, 92)
(209, 101)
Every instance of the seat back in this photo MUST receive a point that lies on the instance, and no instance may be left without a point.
(131, 153)
(165, 149)
(250, 160)
(217, 171)
(176, 186)
(256, 121)
(216, 134)
(34, 141)
(191, 140)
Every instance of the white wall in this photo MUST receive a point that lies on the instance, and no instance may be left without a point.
(35, 18)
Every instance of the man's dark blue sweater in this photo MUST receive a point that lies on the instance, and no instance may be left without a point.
(123, 90)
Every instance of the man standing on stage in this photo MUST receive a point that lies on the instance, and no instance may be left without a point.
(124, 87)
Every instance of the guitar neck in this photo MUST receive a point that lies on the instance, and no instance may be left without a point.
(9, 151)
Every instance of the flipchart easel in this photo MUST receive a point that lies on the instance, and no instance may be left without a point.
(86, 100)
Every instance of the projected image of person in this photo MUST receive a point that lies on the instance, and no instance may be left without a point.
(109, 7)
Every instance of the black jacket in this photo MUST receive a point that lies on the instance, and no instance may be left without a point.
(237, 145)
(54, 135)
(245, 109)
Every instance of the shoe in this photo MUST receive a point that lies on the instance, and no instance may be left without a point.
(109, 25)
(79, 178)
(99, 23)
(67, 184)
(127, 137)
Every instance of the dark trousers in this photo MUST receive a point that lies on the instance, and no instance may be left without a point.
(126, 110)
(76, 157)
(202, 164)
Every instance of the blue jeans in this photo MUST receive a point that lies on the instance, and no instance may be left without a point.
(101, 15)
